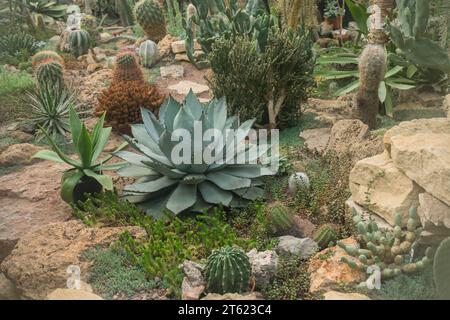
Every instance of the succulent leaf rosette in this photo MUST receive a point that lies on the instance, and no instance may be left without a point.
(164, 184)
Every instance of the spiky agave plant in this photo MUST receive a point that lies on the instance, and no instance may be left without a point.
(165, 185)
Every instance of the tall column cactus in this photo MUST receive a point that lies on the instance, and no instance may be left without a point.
(297, 12)
(372, 64)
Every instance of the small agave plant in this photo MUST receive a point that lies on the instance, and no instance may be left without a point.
(164, 186)
(85, 176)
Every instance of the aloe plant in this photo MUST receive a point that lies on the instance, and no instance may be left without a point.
(86, 170)
(164, 185)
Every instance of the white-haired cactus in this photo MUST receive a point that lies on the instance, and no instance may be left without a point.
(392, 251)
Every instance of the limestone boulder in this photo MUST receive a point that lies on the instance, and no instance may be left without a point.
(327, 272)
(72, 294)
(435, 218)
(377, 184)
(264, 266)
(302, 247)
(39, 262)
(18, 154)
(336, 295)
(425, 159)
(316, 139)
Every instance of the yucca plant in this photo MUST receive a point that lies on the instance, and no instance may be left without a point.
(86, 175)
(50, 110)
(163, 185)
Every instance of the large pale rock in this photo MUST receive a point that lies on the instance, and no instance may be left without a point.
(29, 199)
(304, 247)
(316, 139)
(234, 296)
(18, 154)
(7, 289)
(184, 86)
(425, 158)
(376, 183)
(408, 128)
(193, 283)
(336, 295)
(264, 266)
(327, 272)
(172, 71)
(72, 294)
(352, 138)
(38, 264)
(434, 216)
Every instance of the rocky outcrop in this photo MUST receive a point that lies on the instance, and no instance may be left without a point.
(193, 283)
(38, 264)
(435, 218)
(316, 139)
(327, 272)
(264, 266)
(18, 154)
(302, 247)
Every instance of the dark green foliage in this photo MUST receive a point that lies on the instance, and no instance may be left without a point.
(112, 273)
(17, 48)
(255, 82)
(228, 269)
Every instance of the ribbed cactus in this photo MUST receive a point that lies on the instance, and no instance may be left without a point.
(392, 251)
(80, 42)
(326, 235)
(50, 73)
(441, 270)
(148, 53)
(150, 16)
(126, 67)
(228, 270)
(279, 219)
(46, 55)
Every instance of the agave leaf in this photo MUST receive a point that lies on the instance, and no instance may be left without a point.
(102, 139)
(168, 112)
(195, 107)
(151, 124)
(151, 186)
(103, 179)
(228, 182)
(84, 146)
(213, 194)
(200, 205)
(147, 151)
(251, 193)
(157, 207)
(184, 197)
(217, 113)
(131, 157)
(59, 152)
(141, 135)
(184, 120)
(239, 202)
(111, 167)
(136, 171)
(70, 180)
(75, 125)
(98, 129)
(244, 171)
(48, 155)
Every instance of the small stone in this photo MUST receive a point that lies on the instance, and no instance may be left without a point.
(90, 58)
(264, 266)
(72, 294)
(335, 295)
(91, 68)
(304, 228)
(184, 86)
(178, 46)
(104, 36)
(182, 57)
(193, 283)
(234, 296)
(190, 291)
(296, 181)
(21, 136)
(303, 247)
(172, 71)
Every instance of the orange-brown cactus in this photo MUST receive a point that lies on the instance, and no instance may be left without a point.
(126, 67)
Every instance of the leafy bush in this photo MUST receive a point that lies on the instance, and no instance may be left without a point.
(267, 85)
(112, 273)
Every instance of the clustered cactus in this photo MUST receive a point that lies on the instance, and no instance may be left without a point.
(228, 269)
(80, 42)
(150, 16)
(326, 235)
(279, 218)
(392, 251)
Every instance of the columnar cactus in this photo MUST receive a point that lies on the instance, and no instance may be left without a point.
(228, 270)
(126, 67)
(150, 16)
(325, 235)
(279, 218)
(80, 42)
(50, 73)
(148, 53)
(441, 269)
(46, 55)
(392, 251)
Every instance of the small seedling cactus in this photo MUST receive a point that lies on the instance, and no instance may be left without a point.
(228, 270)
(392, 251)
(326, 235)
(279, 219)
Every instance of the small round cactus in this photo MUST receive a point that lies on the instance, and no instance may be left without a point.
(148, 53)
(50, 73)
(126, 67)
(228, 270)
(150, 16)
(46, 55)
(80, 42)
(326, 235)
(279, 219)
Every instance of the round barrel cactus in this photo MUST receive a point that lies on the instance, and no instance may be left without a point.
(148, 53)
(50, 73)
(80, 42)
(45, 55)
(150, 16)
(279, 218)
(228, 270)
(325, 235)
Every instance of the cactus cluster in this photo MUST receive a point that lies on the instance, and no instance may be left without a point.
(228, 269)
(80, 42)
(150, 16)
(279, 219)
(148, 53)
(326, 235)
(50, 73)
(126, 67)
(392, 251)
(46, 55)
(441, 270)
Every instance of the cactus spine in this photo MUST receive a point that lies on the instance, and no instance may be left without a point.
(228, 270)
(50, 73)
(441, 269)
(325, 236)
(150, 16)
(46, 55)
(80, 42)
(279, 218)
(126, 67)
(148, 53)
(389, 250)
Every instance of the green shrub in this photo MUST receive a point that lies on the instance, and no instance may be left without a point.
(267, 85)
(18, 48)
(12, 83)
(112, 273)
